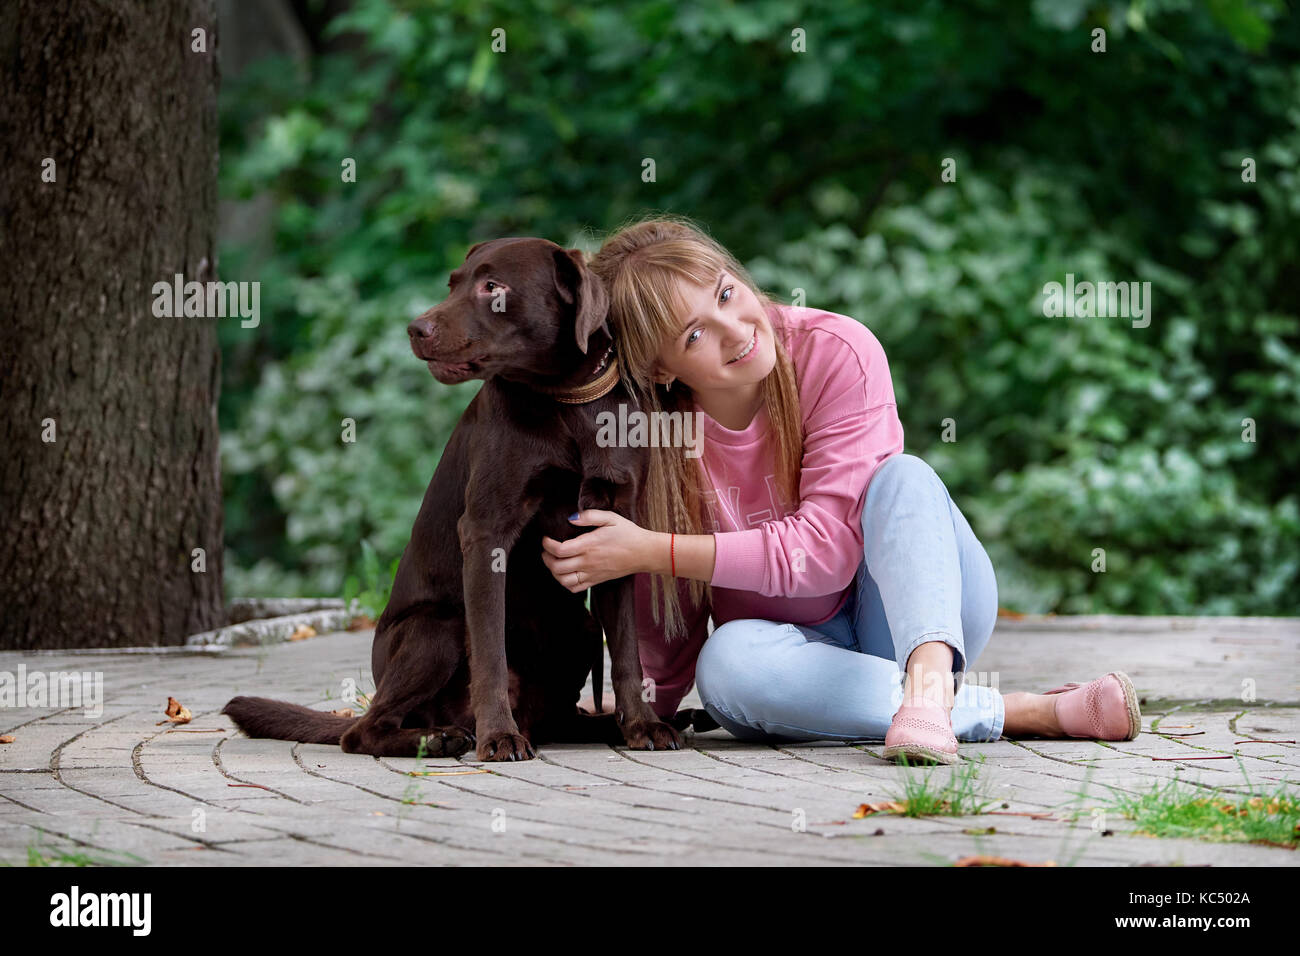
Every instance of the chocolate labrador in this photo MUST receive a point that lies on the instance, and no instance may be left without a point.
(479, 643)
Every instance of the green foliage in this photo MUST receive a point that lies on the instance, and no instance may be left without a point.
(1074, 434)
(820, 170)
(374, 598)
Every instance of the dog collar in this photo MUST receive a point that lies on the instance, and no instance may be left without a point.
(606, 378)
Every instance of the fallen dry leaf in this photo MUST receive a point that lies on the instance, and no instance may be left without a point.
(177, 713)
(302, 632)
(1014, 615)
(361, 622)
(6, 738)
(1254, 803)
(996, 861)
(1284, 846)
(345, 712)
(888, 806)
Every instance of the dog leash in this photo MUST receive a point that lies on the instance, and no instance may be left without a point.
(597, 387)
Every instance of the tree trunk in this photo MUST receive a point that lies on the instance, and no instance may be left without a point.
(100, 524)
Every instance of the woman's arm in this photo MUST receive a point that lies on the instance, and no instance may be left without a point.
(620, 547)
(691, 554)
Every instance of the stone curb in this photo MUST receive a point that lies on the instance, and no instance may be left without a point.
(1137, 623)
(274, 630)
(257, 609)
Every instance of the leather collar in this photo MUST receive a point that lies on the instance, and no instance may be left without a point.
(605, 380)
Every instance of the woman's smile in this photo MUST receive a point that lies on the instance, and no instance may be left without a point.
(748, 350)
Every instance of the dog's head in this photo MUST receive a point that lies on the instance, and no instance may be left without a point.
(520, 307)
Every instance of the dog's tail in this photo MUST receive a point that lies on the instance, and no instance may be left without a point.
(278, 720)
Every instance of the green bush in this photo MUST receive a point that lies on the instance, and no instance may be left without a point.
(822, 171)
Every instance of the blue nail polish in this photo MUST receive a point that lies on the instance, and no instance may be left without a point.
(574, 516)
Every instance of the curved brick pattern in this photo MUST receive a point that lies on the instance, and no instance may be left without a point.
(117, 786)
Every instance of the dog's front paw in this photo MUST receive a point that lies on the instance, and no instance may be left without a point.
(651, 735)
(449, 741)
(504, 746)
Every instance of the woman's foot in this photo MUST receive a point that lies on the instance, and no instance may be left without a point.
(929, 674)
(922, 727)
(922, 731)
(1030, 715)
(1104, 709)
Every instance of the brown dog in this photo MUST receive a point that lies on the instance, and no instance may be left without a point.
(478, 640)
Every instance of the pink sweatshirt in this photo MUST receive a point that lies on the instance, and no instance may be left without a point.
(782, 560)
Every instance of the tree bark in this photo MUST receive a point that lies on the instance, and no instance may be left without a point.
(99, 526)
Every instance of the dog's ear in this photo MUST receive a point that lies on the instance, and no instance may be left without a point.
(579, 286)
(477, 245)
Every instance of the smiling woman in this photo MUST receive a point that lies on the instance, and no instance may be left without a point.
(831, 562)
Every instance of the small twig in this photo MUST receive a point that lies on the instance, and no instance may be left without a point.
(1224, 757)
(257, 785)
(1260, 740)
(214, 730)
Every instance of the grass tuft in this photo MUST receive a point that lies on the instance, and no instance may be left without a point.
(42, 854)
(921, 797)
(1174, 810)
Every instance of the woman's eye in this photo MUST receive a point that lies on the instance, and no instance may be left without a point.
(690, 339)
(725, 291)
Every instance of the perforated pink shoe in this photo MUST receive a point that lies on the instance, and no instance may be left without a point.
(920, 731)
(1103, 709)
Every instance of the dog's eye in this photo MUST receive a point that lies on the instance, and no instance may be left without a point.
(489, 285)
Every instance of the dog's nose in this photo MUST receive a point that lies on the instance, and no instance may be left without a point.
(422, 328)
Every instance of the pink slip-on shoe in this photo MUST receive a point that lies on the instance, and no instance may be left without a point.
(922, 730)
(1103, 709)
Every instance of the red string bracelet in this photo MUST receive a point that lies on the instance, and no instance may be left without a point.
(672, 556)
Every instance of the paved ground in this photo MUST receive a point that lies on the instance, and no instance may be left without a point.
(119, 783)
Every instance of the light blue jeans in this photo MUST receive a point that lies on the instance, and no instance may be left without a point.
(924, 577)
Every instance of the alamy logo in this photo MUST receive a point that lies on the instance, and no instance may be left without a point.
(212, 300)
(638, 429)
(56, 689)
(1122, 300)
(102, 909)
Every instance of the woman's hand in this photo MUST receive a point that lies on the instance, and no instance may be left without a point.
(616, 548)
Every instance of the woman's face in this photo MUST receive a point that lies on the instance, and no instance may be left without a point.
(725, 340)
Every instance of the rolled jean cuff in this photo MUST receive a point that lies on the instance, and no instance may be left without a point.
(978, 713)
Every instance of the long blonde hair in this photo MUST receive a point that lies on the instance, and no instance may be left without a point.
(641, 265)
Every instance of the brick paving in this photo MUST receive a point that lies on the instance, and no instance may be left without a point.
(120, 787)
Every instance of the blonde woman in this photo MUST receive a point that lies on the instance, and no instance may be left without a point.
(831, 562)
